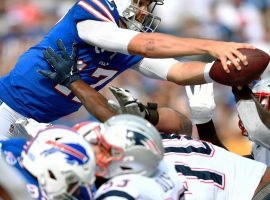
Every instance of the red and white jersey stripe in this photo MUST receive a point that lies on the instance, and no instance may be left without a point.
(107, 16)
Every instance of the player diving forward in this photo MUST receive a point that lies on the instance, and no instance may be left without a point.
(112, 36)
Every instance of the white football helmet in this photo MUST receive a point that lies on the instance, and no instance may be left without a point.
(129, 8)
(127, 144)
(61, 160)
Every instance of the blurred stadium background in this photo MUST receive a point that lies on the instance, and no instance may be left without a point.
(24, 22)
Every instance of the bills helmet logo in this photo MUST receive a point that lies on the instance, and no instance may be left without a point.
(75, 153)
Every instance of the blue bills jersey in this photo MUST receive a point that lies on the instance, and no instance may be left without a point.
(11, 150)
(32, 95)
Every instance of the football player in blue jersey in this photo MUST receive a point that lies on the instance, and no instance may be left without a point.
(57, 164)
(66, 73)
(112, 36)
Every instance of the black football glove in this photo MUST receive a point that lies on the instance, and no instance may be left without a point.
(129, 105)
(243, 93)
(65, 66)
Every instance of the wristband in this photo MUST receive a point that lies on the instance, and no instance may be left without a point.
(151, 113)
(206, 71)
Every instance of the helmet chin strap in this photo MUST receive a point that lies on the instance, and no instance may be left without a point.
(122, 23)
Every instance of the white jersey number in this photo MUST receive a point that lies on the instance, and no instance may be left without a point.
(102, 75)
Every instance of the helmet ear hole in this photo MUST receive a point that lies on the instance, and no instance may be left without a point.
(124, 168)
(51, 175)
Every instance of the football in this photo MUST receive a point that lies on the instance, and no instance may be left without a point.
(257, 62)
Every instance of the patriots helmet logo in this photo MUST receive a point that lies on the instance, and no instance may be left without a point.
(140, 139)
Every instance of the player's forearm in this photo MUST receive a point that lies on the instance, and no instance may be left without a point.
(93, 101)
(158, 45)
(188, 73)
(207, 132)
(171, 121)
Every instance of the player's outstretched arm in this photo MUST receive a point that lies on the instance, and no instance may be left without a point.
(165, 119)
(254, 117)
(157, 45)
(66, 73)
(172, 121)
(93, 101)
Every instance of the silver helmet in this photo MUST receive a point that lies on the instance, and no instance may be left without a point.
(262, 92)
(134, 146)
(128, 10)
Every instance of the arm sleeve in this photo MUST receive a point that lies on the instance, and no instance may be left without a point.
(105, 35)
(155, 68)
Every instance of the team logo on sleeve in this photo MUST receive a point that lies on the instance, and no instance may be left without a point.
(10, 158)
(75, 153)
(109, 4)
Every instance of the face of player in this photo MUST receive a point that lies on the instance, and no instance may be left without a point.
(105, 154)
(102, 155)
(143, 9)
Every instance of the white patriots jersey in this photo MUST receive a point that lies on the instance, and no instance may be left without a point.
(163, 185)
(210, 172)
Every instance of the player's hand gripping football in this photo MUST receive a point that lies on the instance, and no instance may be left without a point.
(228, 53)
(201, 102)
(64, 66)
(130, 105)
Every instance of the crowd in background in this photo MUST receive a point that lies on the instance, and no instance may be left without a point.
(24, 22)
